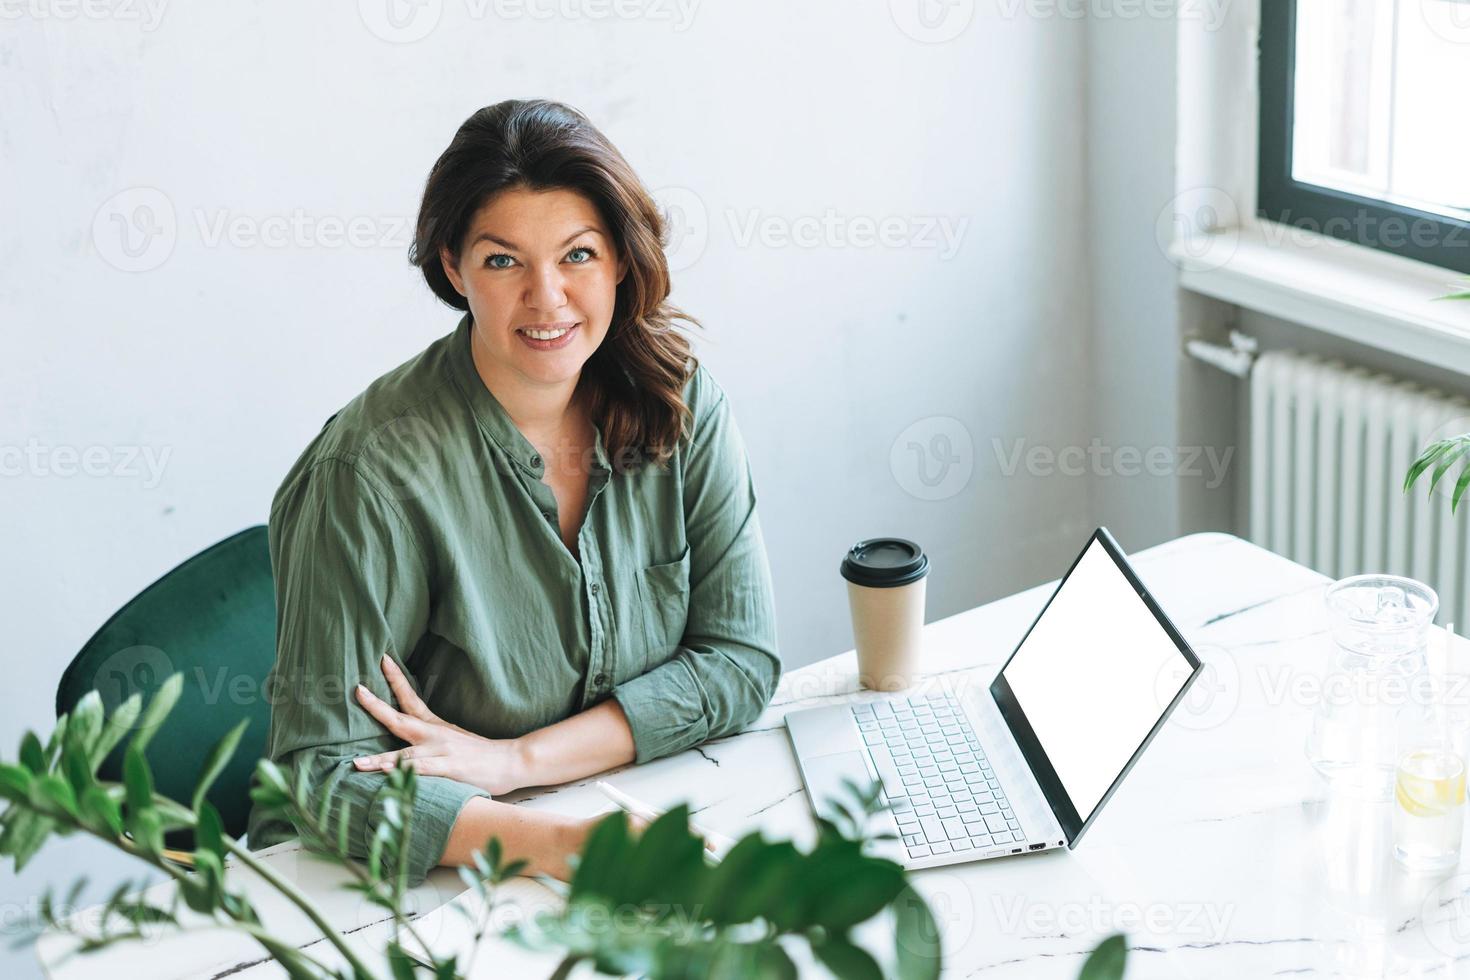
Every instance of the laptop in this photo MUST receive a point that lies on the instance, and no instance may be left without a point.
(1026, 764)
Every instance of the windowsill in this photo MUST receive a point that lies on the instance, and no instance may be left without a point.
(1358, 293)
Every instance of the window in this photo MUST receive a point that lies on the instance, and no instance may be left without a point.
(1365, 133)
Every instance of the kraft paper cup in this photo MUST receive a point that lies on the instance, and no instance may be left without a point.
(885, 593)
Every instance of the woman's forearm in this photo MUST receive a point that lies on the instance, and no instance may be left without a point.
(589, 742)
(542, 838)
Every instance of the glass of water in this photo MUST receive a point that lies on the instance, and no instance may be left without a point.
(1429, 785)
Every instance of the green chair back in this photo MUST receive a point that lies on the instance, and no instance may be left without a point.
(213, 619)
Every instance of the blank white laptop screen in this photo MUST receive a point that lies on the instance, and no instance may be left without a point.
(1094, 676)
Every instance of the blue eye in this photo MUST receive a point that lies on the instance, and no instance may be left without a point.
(493, 261)
(591, 254)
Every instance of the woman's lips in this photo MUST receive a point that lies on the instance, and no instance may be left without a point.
(554, 343)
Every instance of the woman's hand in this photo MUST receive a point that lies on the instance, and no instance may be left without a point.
(437, 748)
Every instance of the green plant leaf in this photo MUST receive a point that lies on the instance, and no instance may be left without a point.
(147, 831)
(1424, 460)
(15, 783)
(843, 893)
(138, 780)
(117, 726)
(100, 812)
(31, 754)
(375, 850)
(74, 764)
(473, 882)
(916, 940)
(211, 870)
(772, 961)
(344, 823)
(494, 853)
(24, 834)
(159, 706)
(172, 815)
(142, 819)
(722, 888)
(218, 758)
(53, 744)
(1107, 961)
(604, 858)
(846, 961)
(326, 794)
(296, 964)
(1462, 295)
(209, 832)
(53, 792)
(667, 863)
(84, 725)
(767, 887)
(399, 962)
(1456, 453)
(1460, 485)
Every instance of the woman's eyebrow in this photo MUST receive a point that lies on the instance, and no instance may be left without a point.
(485, 236)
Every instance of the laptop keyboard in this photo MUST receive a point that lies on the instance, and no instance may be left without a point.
(940, 786)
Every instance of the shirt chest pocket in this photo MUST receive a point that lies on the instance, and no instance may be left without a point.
(663, 600)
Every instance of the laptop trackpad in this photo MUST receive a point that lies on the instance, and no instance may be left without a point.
(825, 775)
(824, 731)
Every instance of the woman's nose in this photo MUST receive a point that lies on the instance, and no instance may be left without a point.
(547, 292)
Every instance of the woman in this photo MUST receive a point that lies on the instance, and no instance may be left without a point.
(530, 553)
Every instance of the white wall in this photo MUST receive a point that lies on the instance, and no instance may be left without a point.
(222, 358)
(1130, 180)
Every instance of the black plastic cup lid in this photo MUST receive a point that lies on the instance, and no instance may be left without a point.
(885, 563)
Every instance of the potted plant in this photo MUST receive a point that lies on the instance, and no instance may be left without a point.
(680, 913)
(1442, 454)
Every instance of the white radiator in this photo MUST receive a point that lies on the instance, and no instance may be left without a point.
(1330, 445)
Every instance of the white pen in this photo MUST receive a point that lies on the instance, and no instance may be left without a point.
(719, 844)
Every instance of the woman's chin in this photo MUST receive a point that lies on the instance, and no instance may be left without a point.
(551, 367)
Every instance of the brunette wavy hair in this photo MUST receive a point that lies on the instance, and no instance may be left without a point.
(633, 385)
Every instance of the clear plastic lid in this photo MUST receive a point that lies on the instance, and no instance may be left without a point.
(1380, 614)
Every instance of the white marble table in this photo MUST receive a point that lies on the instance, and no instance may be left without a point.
(1223, 855)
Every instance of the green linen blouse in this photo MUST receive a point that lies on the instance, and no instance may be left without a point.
(416, 523)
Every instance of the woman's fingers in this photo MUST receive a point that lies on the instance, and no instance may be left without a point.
(408, 700)
(424, 765)
(384, 760)
(407, 728)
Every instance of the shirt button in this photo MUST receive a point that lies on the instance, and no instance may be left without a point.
(600, 680)
(535, 460)
(546, 514)
(595, 588)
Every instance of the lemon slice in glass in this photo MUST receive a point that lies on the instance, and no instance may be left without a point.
(1430, 782)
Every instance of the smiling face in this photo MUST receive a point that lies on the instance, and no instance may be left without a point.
(540, 273)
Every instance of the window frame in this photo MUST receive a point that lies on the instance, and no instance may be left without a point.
(1330, 211)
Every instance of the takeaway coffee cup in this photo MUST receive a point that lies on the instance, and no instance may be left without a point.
(885, 591)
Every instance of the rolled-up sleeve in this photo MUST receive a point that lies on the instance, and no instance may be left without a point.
(727, 665)
(350, 586)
